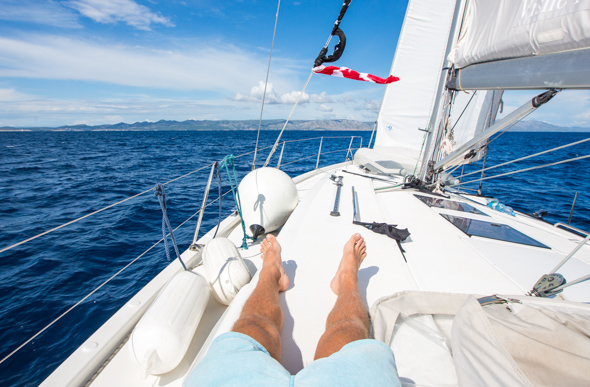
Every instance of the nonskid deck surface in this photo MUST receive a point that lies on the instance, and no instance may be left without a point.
(438, 257)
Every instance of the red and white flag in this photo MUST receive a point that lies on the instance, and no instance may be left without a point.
(345, 72)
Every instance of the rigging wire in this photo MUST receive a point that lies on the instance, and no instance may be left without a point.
(526, 157)
(487, 144)
(95, 212)
(127, 199)
(319, 60)
(100, 286)
(464, 109)
(266, 84)
(528, 169)
(276, 144)
(221, 196)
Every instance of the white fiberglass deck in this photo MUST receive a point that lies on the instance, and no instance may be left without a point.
(439, 257)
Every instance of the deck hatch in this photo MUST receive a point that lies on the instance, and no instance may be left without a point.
(449, 204)
(491, 230)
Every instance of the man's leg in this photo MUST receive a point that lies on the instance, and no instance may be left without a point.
(262, 316)
(348, 321)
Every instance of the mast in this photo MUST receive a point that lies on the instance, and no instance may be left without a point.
(434, 130)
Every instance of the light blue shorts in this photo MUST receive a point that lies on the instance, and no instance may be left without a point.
(235, 359)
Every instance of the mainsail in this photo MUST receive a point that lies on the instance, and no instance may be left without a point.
(527, 44)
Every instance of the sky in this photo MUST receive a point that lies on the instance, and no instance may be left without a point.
(108, 61)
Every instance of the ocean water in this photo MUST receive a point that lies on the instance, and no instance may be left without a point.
(50, 178)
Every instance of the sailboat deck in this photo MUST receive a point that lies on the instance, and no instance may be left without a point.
(438, 257)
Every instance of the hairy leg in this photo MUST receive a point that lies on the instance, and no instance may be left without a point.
(262, 316)
(348, 321)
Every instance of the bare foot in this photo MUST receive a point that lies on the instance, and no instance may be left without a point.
(355, 251)
(271, 260)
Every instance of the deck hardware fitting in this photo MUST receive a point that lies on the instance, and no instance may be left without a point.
(338, 181)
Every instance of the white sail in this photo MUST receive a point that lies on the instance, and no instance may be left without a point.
(523, 45)
(419, 61)
(506, 29)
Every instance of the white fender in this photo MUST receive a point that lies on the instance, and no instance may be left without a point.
(268, 196)
(162, 336)
(225, 269)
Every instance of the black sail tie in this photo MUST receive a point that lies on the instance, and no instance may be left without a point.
(390, 230)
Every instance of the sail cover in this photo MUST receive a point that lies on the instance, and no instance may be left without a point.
(506, 29)
(448, 339)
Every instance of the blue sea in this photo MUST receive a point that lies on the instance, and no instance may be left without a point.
(50, 178)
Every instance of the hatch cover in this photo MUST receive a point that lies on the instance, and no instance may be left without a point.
(449, 204)
(491, 230)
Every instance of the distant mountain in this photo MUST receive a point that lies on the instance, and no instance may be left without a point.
(523, 126)
(216, 125)
(537, 126)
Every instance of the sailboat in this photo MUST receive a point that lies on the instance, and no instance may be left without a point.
(464, 290)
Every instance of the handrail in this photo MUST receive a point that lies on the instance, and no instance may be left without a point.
(200, 212)
(100, 286)
(525, 157)
(144, 192)
(568, 226)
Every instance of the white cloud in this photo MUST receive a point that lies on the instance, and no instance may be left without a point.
(323, 97)
(38, 12)
(113, 11)
(257, 93)
(221, 68)
(43, 112)
(7, 95)
(325, 108)
(292, 97)
(372, 105)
